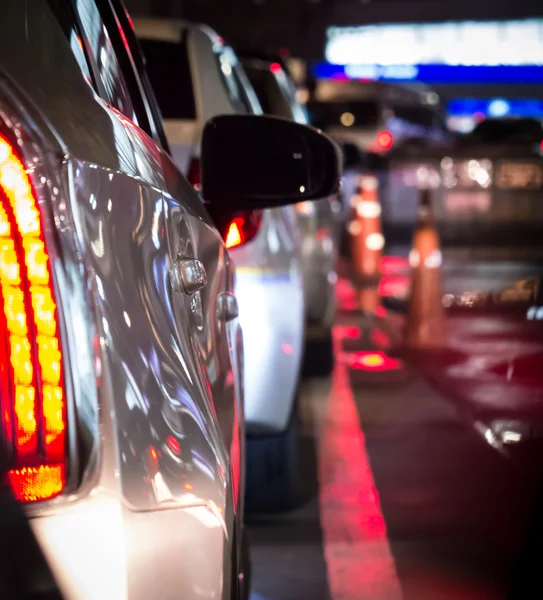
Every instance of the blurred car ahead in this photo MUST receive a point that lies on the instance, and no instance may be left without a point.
(377, 116)
(121, 379)
(319, 221)
(513, 132)
(486, 193)
(196, 77)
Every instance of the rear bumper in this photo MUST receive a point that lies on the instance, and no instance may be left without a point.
(98, 548)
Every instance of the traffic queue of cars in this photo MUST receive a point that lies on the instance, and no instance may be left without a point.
(124, 374)
(284, 257)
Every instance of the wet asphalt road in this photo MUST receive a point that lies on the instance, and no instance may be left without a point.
(410, 491)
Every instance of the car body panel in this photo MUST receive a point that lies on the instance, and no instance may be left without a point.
(271, 302)
(115, 229)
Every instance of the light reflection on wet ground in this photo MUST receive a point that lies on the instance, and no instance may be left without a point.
(453, 499)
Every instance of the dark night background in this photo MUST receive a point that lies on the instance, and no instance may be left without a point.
(300, 25)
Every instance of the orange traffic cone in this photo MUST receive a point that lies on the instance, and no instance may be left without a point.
(370, 300)
(367, 239)
(425, 326)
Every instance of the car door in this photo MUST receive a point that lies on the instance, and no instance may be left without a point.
(170, 338)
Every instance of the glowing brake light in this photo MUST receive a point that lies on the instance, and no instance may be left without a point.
(32, 400)
(243, 228)
(385, 140)
(235, 237)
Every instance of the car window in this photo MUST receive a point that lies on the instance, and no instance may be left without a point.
(269, 92)
(106, 49)
(249, 96)
(103, 56)
(66, 19)
(169, 73)
(357, 113)
(131, 59)
(414, 114)
(229, 70)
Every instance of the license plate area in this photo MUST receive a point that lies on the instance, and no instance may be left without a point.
(519, 175)
(459, 202)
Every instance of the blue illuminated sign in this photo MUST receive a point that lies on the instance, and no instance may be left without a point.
(523, 107)
(432, 74)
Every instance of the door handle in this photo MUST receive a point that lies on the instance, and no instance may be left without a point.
(227, 307)
(188, 275)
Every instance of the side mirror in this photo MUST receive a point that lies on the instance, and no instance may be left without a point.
(255, 162)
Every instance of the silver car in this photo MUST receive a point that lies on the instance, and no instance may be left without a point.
(318, 221)
(197, 76)
(121, 402)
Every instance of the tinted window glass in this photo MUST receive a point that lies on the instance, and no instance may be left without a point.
(415, 115)
(105, 59)
(363, 113)
(128, 52)
(169, 72)
(509, 130)
(227, 62)
(66, 19)
(269, 92)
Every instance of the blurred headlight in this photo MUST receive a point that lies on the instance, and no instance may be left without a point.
(472, 173)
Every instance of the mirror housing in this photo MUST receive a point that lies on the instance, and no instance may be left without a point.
(254, 162)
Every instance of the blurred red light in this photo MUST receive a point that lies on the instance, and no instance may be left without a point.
(393, 264)
(367, 360)
(348, 333)
(385, 140)
(235, 236)
(174, 446)
(393, 286)
(275, 68)
(322, 234)
(380, 339)
(129, 19)
(381, 312)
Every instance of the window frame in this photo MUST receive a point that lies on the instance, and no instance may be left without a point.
(135, 79)
(130, 48)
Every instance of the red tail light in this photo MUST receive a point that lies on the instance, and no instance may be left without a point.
(32, 401)
(243, 228)
(195, 174)
(385, 140)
